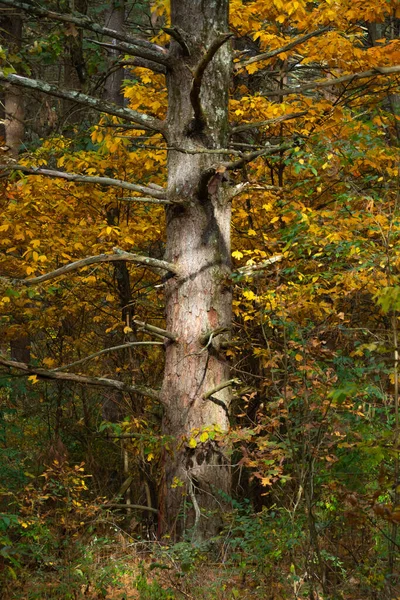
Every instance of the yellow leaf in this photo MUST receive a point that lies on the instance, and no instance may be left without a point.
(237, 254)
(33, 379)
(299, 357)
(35, 256)
(127, 329)
(204, 436)
(150, 456)
(192, 443)
(29, 270)
(6, 299)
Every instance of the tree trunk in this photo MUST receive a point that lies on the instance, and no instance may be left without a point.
(198, 240)
(115, 19)
(11, 27)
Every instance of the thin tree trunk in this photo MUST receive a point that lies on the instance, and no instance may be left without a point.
(198, 240)
(115, 19)
(11, 32)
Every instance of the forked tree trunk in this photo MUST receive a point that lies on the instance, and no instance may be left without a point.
(198, 240)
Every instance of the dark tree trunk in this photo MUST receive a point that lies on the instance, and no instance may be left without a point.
(11, 36)
(115, 19)
(198, 240)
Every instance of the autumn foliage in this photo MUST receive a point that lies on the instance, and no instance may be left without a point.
(314, 421)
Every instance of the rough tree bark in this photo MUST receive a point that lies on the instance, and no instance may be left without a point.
(198, 240)
(196, 389)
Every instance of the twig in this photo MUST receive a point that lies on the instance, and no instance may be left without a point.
(286, 48)
(104, 351)
(331, 82)
(247, 126)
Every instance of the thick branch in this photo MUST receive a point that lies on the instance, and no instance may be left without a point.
(152, 263)
(76, 96)
(133, 44)
(250, 269)
(133, 187)
(92, 381)
(146, 64)
(180, 37)
(247, 126)
(289, 46)
(331, 82)
(156, 330)
(220, 387)
(140, 53)
(105, 351)
(198, 75)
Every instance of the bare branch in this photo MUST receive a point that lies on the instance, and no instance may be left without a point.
(220, 387)
(75, 96)
(141, 53)
(246, 158)
(144, 199)
(198, 75)
(152, 263)
(208, 337)
(331, 82)
(105, 351)
(235, 190)
(289, 46)
(133, 43)
(247, 126)
(81, 379)
(146, 64)
(129, 506)
(180, 37)
(250, 269)
(156, 330)
(133, 187)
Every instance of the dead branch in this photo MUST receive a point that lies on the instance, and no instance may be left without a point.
(180, 37)
(156, 330)
(133, 43)
(274, 121)
(105, 351)
(289, 46)
(140, 53)
(76, 96)
(81, 379)
(147, 261)
(220, 387)
(75, 177)
(332, 82)
(250, 269)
